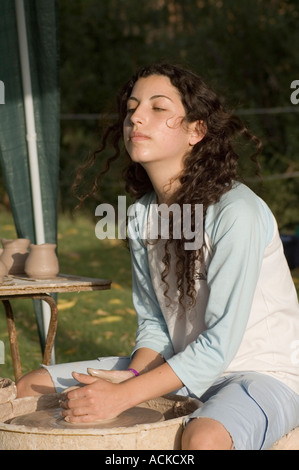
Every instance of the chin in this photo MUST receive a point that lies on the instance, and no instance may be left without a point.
(140, 158)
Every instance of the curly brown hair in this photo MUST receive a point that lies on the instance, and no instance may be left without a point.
(209, 170)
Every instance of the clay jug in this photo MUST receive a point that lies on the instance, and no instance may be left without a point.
(42, 262)
(14, 254)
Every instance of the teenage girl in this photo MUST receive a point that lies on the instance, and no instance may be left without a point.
(219, 322)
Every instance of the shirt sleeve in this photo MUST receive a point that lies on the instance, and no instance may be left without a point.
(239, 231)
(152, 331)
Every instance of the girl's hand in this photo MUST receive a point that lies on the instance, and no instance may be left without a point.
(114, 376)
(97, 399)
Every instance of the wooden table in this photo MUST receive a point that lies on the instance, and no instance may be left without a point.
(16, 287)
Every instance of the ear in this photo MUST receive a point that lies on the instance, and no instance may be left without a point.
(198, 130)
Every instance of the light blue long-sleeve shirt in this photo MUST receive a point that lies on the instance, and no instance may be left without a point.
(244, 303)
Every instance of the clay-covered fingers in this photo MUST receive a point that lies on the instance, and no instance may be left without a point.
(77, 409)
(78, 415)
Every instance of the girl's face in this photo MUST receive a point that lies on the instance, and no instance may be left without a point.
(153, 128)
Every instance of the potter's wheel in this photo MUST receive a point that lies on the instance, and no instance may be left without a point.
(51, 418)
(145, 428)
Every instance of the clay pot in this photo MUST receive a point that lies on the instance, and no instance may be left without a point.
(14, 254)
(42, 262)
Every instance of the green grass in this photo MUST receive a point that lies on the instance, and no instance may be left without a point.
(90, 324)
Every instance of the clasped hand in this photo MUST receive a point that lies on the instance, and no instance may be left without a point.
(99, 396)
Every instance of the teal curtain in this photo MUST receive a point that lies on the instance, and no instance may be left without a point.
(42, 34)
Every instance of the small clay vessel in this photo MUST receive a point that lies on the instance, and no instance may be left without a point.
(42, 262)
(14, 254)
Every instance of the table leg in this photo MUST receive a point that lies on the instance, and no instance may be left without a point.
(13, 339)
(52, 326)
(13, 334)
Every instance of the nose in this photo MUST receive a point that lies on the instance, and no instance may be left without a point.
(137, 116)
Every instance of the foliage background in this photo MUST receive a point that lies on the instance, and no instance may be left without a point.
(246, 50)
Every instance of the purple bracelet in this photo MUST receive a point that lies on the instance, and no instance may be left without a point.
(134, 372)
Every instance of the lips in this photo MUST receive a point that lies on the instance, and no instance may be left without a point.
(138, 137)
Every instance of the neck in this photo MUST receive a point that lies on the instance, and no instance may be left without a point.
(164, 180)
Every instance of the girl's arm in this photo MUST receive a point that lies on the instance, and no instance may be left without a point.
(146, 359)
